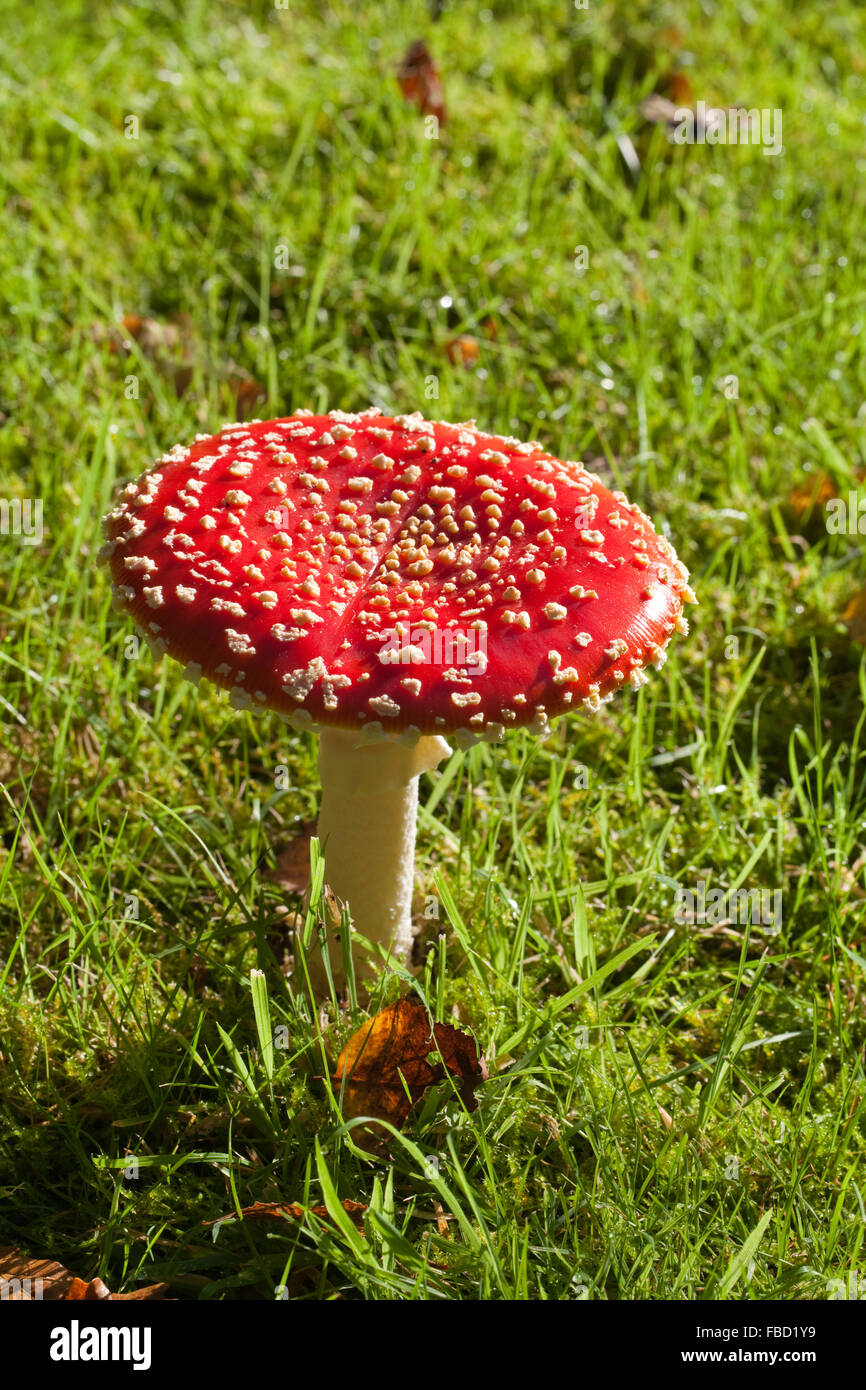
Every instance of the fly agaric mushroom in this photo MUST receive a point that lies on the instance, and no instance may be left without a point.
(387, 583)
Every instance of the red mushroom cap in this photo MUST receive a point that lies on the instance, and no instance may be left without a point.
(387, 574)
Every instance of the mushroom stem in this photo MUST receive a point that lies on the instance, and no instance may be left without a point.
(367, 831)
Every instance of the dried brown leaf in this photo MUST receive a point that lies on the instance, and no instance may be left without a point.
(420, 82)
(811, 494)
(854, 617)
(281, 1211)
(248, 394)
(292, 869)
(679, 88)
(79, 1289)
(25, 1279)
(156, 340)
(386, 1066)
(463, 352)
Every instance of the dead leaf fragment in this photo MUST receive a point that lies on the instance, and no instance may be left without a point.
(156, 340)
(24, 1279)
(80, 1289)
(679, 88)
(292, 869)
(282, 934)
(281, 1211)
(248, 394)
(420, 82)
(386, 1066)
(812, 493)
(854, 618)
(150, 1292)
(197, 973)
(463, 352)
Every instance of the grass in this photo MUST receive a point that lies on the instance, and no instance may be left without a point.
(688, 1123)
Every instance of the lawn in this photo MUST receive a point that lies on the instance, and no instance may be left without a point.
(224, 210)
